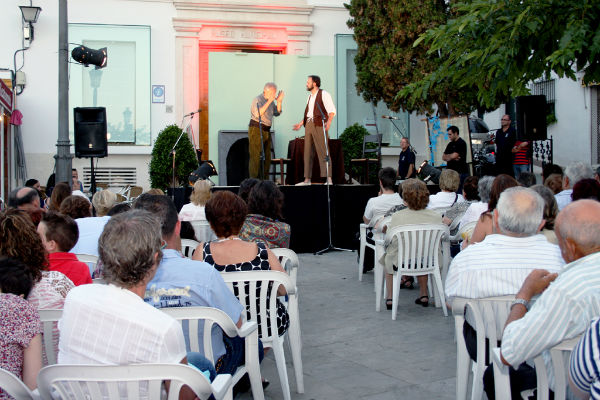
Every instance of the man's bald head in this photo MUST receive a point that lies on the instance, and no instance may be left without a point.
(577, 228)
(21, 197)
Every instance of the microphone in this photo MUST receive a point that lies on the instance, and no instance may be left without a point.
(389, 117)
(193, 112)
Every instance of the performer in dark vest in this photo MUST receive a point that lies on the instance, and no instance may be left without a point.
(318, 115)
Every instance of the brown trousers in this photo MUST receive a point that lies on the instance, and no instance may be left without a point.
(314, 142)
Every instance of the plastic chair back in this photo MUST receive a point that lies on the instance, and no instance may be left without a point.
(289, 261)
(203, 231)
(419, 247)
(188, 247)
(90, 260)
(49, 319)
(132, 381)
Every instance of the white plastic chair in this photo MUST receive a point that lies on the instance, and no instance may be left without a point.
(188, 247)
(90, 260)
(487, 316)
(202, 319)
(203, 231)
(363, 245)
(49, 318)
(419, 250)
(466, 229)
(254, 287)
(560, 357)
(289, 261)
(128, 381)
(13, 386)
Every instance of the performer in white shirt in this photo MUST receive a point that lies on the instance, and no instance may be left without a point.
(318, 115)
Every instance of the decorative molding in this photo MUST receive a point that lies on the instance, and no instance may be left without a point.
(283, 8)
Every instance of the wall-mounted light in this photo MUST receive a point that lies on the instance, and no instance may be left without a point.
(86, 56)
(30, 17)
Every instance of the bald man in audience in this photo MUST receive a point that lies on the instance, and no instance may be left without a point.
(28, 200)
(568, 301)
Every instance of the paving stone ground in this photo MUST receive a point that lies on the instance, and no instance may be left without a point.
(350, 351)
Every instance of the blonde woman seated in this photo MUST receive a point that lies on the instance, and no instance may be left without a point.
(416, 197)
(226, 212)
(194, 210)
(447, 197)
(103, 201)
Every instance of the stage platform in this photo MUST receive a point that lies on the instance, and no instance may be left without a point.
(305, 209)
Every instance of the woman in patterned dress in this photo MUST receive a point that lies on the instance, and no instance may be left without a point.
(20, 326)
(226, 213)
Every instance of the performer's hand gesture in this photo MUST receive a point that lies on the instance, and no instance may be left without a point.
(280, 96)
(328, 125)
(297, 126)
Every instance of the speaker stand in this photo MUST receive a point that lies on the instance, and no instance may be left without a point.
(93, 176)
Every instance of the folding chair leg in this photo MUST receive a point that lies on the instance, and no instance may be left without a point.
(463, 362)
(361, 257)
(395, 295)
(440, 290)
(379, 284)
(294, 339)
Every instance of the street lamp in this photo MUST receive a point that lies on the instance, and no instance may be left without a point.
(30, 16)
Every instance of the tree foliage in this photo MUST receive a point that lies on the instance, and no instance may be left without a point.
(161, 164)
(497, 47)
(387, 62)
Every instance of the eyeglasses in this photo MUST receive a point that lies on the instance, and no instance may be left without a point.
(505, 119)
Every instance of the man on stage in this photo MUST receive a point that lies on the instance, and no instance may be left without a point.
(264, 107)
(505, 141)
(406, 160)
(318, 116)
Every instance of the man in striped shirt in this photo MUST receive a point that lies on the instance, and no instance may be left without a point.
(568, 302)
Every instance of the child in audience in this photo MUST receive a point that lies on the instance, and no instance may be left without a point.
(20, 326)
(59, 233)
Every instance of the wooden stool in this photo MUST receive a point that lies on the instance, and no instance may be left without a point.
(281, 162)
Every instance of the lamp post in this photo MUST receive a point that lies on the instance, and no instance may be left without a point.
(63, 145)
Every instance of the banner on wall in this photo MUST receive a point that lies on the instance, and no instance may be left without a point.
(6, 97)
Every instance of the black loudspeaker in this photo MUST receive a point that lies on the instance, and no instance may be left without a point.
(531, 117)
(90, 132)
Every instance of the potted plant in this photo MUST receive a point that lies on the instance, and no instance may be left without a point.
(352, 143)
(161, 163)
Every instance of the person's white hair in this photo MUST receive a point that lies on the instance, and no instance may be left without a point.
(270, 85)
(577, 171)
(484, 187)
(520, 211)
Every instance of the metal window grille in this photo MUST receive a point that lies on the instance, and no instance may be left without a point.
(595, 108)
(111, 176)
(546, 88)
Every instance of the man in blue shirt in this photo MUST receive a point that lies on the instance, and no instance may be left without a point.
(406, 161)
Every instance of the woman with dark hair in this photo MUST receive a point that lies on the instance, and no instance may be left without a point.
(263, 224)
(76, 207)
(61, 191)
(245, 188)
(20, 326)
(586, 189)
(550, 212)
(226, 212)
(416, 196)
(485, 224)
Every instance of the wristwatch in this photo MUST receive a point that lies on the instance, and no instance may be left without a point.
(524, 302)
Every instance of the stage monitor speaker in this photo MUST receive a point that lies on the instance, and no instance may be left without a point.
(531, 117)
(90, 132)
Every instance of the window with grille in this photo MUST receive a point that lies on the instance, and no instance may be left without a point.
(546, 88)
(110, 176)
(595, 108)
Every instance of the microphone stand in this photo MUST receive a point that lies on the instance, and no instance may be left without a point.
(330, 247)
(173, 152)
(262, 145)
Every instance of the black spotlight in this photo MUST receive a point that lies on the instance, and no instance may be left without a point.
(204, 171)
(87, 56)
(429, 173)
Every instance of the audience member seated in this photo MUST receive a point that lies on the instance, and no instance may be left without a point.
(90, 229)
(499, 264)
(550, 169)
(484, 187)
(103, 201)
(586, 189)
(597, 174)
(28, 200)
(59, 234)
(526, 179)
(155, 191)
(118, 209)
(181, 282)
(20, 326)
(194, 210)
(416, 197)
(554, 183)
(75, 182)
(457, 211)
(34, 183)
(76, 207)
(584, 365)
(447, 197)
(19, 239)
(550, 212)
(226, 213)
(111, 324)
(485, 225)
(245, 188)
(567, 302)
(61, 191)
(573, 173)
(387, 198)
(187, 231)
(263, 222)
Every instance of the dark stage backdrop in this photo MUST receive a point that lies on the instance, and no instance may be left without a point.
(305, 209)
